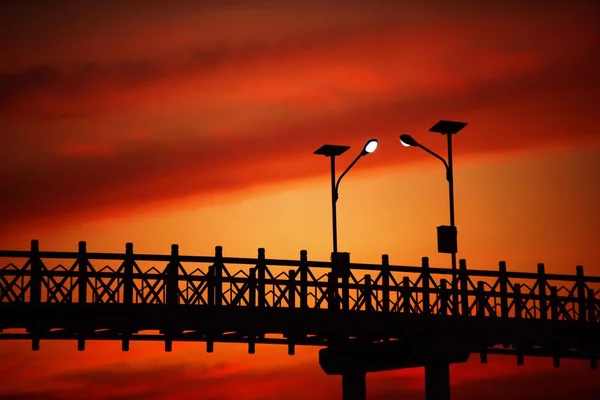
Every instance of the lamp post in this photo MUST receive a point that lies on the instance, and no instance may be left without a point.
(353, 383)
(447, 236)
(332, 151)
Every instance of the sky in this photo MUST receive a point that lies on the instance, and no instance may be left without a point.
(195, 122)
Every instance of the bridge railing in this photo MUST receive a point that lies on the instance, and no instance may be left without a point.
(174, 279)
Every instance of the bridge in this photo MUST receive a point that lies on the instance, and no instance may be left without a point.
(367, 317)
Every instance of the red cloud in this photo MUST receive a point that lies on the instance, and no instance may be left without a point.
(501, 378)
(86, 149)
(221, 117)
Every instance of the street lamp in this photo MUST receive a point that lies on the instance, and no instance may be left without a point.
(332, 151)
(447, 235)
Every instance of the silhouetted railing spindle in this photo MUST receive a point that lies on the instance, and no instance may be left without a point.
(425, 281)
(261, 268)
(303, 279)
(581, 294)
(541, 281)
(385, 283)
(464, 287)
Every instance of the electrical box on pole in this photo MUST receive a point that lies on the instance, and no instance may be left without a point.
(447, 239)
(340, 264)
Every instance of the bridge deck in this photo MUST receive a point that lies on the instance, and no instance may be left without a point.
(293, 302)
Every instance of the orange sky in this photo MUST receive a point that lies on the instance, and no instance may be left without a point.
(195, 124)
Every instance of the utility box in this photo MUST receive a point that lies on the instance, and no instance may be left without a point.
(340, 264)
(447, 239)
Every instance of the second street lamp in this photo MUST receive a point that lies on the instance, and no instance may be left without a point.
(447, 235)
(332, 151)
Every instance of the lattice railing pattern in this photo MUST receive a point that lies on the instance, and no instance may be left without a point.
(129, 278)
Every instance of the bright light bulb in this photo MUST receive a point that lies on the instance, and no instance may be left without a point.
(371, 146)
(407, 141)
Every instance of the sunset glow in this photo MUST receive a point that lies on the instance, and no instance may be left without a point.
(195, 122)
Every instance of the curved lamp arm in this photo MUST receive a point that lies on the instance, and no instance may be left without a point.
(438, 157)
(337, 184)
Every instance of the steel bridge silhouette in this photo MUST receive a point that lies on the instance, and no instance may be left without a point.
(367, 317)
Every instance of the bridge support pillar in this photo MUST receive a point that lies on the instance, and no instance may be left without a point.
(435, 355)
(437, 381)
(354, 385)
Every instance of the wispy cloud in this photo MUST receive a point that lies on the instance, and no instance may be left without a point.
(305, 380)
(221, 112)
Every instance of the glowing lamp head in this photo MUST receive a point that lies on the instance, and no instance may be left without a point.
(370, 147)
(407, 141)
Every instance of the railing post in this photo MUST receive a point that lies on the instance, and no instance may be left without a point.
(542, 282)
(481, 299)
(503, 282)
(252, 287)
(333, 305)
(332, 301)
(127, 290)
(128, 275)
(252, 301)
(210, 286)
(554, 314)
(591, 317)
(518, 316)
(454, 289)
(385, 282)
(261, 267)
(82, 287)
(481, 304)
(218, 276)
(291, 289)
(368, 293)
(303, 279)
(82, 283)
(464, 287)
(554, 305)
(211, 295)
(406, 294)
(257, 286)
(172, 283)
(518, 302)
(332, 292)
(444, 297)
(345, 281)
(35, 287)
(425, 280)
(591, 306)
(581, 294)
(292, 305)
(172, 295)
